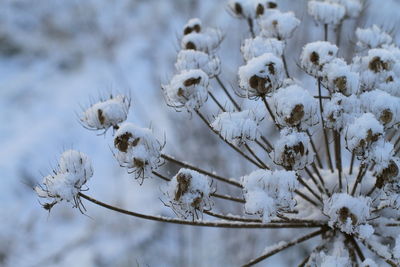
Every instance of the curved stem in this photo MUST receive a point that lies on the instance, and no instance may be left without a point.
(285, 246)
(328, 153)
(198, 223)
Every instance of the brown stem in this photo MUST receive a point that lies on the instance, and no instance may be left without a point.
(360, 176)
(352, 163)
(338, 157)
(285, 66)
(198, 223)
(216, 101)
(226, 197)
(285, 246)
(328, 153)
(309, 189)
(270, 112)
(314, 149)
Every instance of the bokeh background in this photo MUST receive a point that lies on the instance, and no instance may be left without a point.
(59, 56)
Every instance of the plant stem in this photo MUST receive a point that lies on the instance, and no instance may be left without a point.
(285, 246)
(227, 93)
(285, 66)
(315, 149)
(199, 223)
(251, 27)
(338, 157)
(328, 153)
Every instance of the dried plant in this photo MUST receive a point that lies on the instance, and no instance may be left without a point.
(347, 190)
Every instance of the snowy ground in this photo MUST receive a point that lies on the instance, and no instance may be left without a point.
(44, 86)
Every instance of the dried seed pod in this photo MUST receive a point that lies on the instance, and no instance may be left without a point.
(292, 150)
(261, 75)
(106, 114)
(315, 55)
(188, 89)
(137, 150)
(294, 107)
(189, 193)
(269, 192)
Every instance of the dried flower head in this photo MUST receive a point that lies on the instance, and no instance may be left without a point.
(373, 37)
(238, 127)
(192, 59)
(315, 55)
(74, 170)
(189, 193)
(294, 107)
(362, 133)
(279, 25)
(255, 47)
(188, 89)
(106, 114)
(261, 75)
(268, 193)
(138, 150)
(326, 12)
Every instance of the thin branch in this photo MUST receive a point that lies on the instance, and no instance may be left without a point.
(251, 27)
(357, 248)
(315, 149)
(306, 198)
(328, 153)
(198, 223)
(188, 166)
(270, 112)
(322, 190)
(285, 65)
(352, 163)
(360, 176)
(226, 197)
(309, 188)
(338, 157)
(227, 93)
(285, 246)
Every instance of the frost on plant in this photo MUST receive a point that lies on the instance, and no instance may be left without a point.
(321, 153)
(292, 150)
(268, 193)
(106, 114)
(138, 150)
(294, 107)
(188, 89)
(74, 170)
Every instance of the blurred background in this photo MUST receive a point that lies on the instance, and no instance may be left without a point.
(58, 57)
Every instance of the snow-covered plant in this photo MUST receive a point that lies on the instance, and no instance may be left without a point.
(106, 114)
(65, 183)
(189, 193)
(323, 153)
